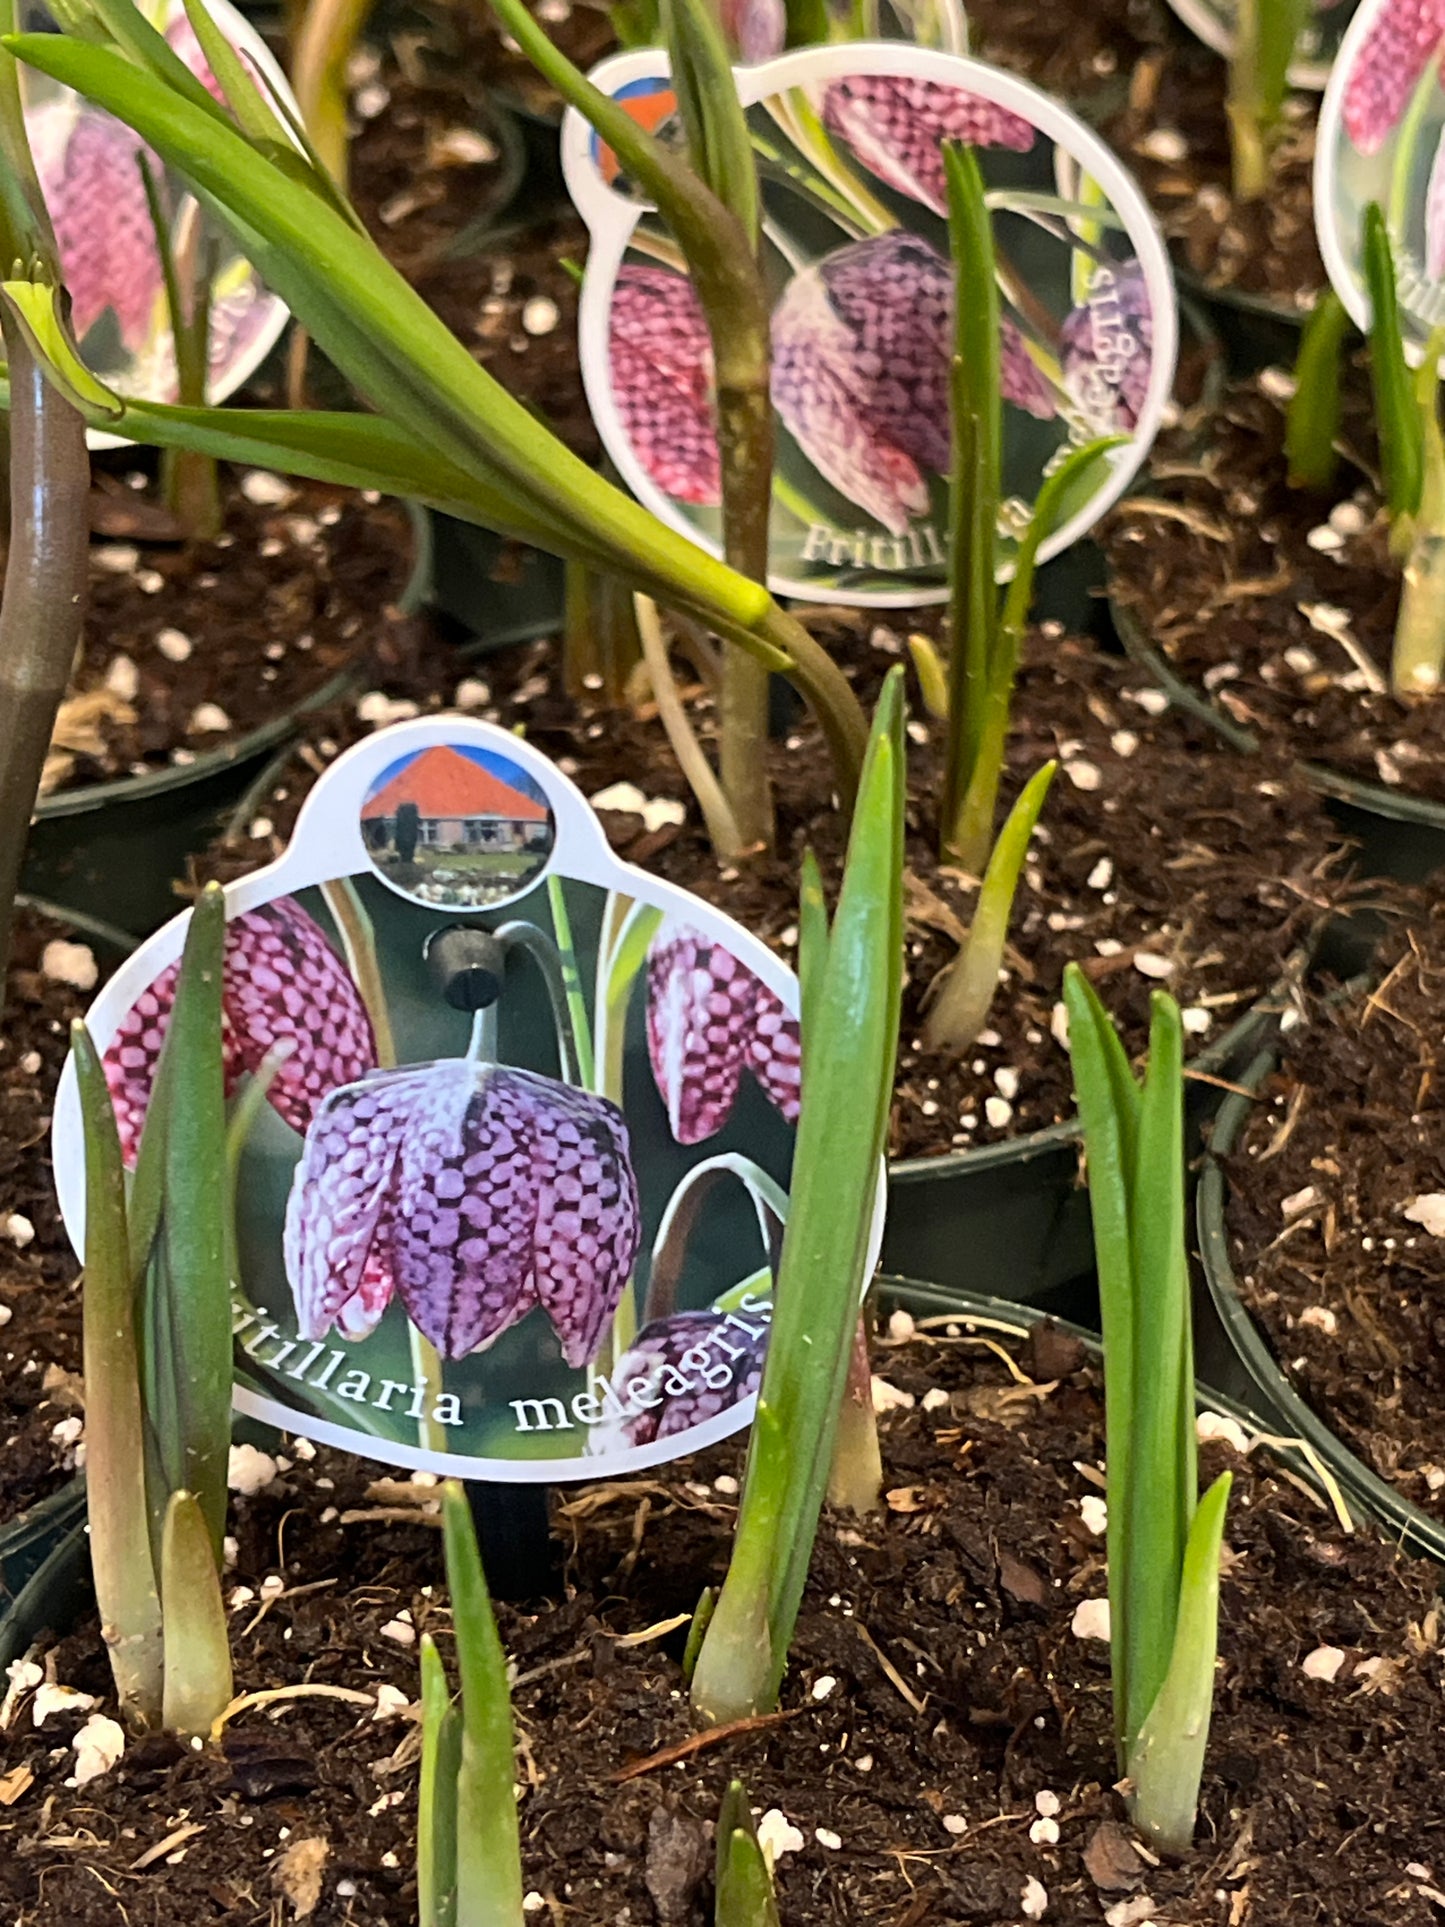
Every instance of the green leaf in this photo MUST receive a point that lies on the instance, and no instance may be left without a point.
(976, 413)
(198, 1678)
(115, 1481)
(36, 306)
(812, 939)
(745, 1895)
(436, 1813)
(1168, 1761)
(190, 1371)
(965, 994)
(489, 1863)
(719, 144)
(1312, 422)
(841, 1130)
(1109, 1104)
(1397, 419)
(1160, 1496)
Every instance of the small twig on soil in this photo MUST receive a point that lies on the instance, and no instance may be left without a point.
(1219, 1083)
(649, 1633)
(699, 1742)
(391, 1515)
(1282, 1136)
(267, 1696)
(1176, 512)
(891, 1671)
(162, 1847)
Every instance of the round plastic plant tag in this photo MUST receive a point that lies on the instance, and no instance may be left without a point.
(1382, 138)
(95, 191)
(512, 1207)
(848, 140)
(1216, 23)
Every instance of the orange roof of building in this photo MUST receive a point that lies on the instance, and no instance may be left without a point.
(442, 782)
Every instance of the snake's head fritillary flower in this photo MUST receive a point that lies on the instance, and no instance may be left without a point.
(862, 343)
(284, 984)
(896, 125)
(475, 1193)
(661, 363)
(1405, 37)
(709, 1019)
(1106, 348)
(681, 1371)
(756, 29)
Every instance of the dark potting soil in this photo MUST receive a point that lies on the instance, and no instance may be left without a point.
(39, 1294)
(1174, 135)
(944, 1751)
(1327, 1194)
(429, 172)
(190, 646)
(1279, 603)
(1161, 858)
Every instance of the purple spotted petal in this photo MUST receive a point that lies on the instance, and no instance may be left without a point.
(588, 1223)
(284, 984)
(682, 1371)
(96, 197)
(1387, 68)
(339, 1195)
(661, 364)
(1105, 348)
(896, 126)
(700, 1009)
(775, 1053)
(756, 29)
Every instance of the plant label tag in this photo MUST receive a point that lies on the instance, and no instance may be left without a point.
(1382, 138)
(1216, 22)
(856, 262)
(512, 1207)
(94, 188)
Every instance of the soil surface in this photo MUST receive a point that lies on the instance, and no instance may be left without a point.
(190, 646)
(434, 174)
(1161, 857)
(39, 1295)
(1279, 603)
(1336, 1215)
(939, 1705)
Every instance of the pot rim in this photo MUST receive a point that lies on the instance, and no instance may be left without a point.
(1412, 1527)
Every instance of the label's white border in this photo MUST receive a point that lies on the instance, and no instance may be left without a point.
(328, 843)
(610, 220)
(1310, 76)
(1340, 255)
(244, 37)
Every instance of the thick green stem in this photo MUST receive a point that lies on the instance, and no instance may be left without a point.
(43, 603)
(745, 436)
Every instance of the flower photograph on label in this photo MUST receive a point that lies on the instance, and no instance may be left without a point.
(855, 254)
(93, 174)
(512, 1173)
(1382, 139)
(457, 826)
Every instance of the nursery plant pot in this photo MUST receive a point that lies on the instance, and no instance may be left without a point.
(1012, 1219)
(1401, 836)
(114, 850)
(1254, 331)
(1245, 1366)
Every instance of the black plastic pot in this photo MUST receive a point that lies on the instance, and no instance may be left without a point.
(44, 1570)
(1244, 1365)
(116, 850)
(1400, 835)
(1012, 1219)
(1255, 331)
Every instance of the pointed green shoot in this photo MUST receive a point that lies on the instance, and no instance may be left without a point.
(932, 676)
(188, 1369)
(976, 414)
(1312, 423)
(1418, 657)
(969, 835)
(115, 1490)
(1109, 1107)
(1397, 419)
(847, 1087)
(719, 144)
(966, 992)
(436, 1809)
(1168, 1762)
(198, 1678)
(489, 1862)
(745, 1895)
